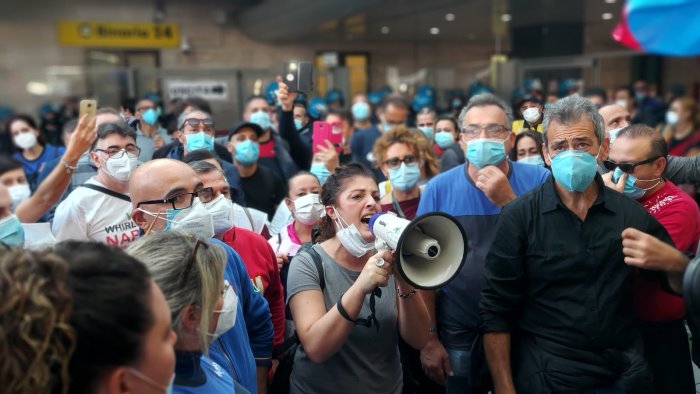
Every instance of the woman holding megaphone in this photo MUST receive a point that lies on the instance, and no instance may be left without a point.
(408, 160)
(348, 306)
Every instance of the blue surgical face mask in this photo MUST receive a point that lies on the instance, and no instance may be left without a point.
(640, 96)
(247, 152)
(428, 131)
(482, 152)
(150, 117)
(11, 231)
(574, 169)
(319, 169)
(298, 124)
(631, 190)
(404, 177)
(534, 160)
(199, 140)
(444, 139)
(613, 134)
(262, 119)
(360, 111)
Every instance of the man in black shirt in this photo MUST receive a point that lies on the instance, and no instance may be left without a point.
(263, 189)
(558, 286)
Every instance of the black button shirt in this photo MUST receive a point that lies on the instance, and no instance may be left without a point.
(561, 285)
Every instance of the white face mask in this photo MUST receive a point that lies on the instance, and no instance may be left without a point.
(195, 220)
(308, 209)
(25, 140)
(221, 210)
(166, 389)
(227, 314)
(531, 115)
(120, 168)
(350, 237)
(19, 193)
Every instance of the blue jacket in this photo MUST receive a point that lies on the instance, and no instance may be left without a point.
(250, 340)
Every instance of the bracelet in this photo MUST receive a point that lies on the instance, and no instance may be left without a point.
(342, 310)
(405, 295)
(69, 168)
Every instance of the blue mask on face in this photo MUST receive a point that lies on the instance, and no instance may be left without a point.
(428, 131)
(262, 119)
(444, 139)
(11, 231)
(199, 140)
(613, 134)
(297, 124)
(150, 117)
(319, 169)
(484, 152)
(404, 177)
(360, 111)
(534, 160)
(630, 190)
(247, 152)
(574, 169)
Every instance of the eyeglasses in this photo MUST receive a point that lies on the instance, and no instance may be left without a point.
(396, 162)
(144, 109)
(183, 200)
(191, 261)
(194, 122)
(627, 167)
(116, 153)
(491, 129)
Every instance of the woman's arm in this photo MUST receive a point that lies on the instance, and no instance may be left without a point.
(414, 322)
(323, 332)
(49, 192)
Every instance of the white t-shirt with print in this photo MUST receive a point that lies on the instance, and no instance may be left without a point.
(90, 215)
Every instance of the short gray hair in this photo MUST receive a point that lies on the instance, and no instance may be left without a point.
(186, 114)
(569, 110)
(167, 256)
(482, 100)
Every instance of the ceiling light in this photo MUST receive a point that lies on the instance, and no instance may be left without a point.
(434, 31)
(385, 30)
(506, 17)
(450, 17)
(607, 16)
(611, 1)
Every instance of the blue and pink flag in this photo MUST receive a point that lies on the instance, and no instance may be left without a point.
(663, 27)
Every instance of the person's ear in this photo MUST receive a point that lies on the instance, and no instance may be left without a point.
(604, 149)
(229, 147)
(290, 204)
(660, 167)
(181, 138)
(191, 315)
(95, 159)
(545, 155)
(139, 217)
(115, 381)
(330, 212)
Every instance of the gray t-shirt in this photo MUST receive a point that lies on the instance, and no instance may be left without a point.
(369, 361)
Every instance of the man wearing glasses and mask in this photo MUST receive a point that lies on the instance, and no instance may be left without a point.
(99, 210)
(167, 195)
(196, 131)
(474, 194)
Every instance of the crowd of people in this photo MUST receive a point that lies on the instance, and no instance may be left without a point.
(150, 252)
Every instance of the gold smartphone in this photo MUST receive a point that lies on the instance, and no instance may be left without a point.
(88, 107)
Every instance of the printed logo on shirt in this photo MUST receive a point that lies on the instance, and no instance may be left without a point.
(217, 369)
(258, 284)
(121, 234)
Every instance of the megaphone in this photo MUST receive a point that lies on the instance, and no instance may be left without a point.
(431, 248)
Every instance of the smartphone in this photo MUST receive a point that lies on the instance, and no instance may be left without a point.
(298, 76)
(324, 131)
(88, 107)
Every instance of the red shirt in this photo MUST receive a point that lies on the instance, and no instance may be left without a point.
(409, 208)
(267, 148)
(679, 214)
(260, 261)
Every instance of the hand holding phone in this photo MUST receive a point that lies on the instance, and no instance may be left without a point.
(298, 76)
(89, 108)
(324, 131)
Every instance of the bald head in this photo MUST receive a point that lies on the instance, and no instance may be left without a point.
(158, 180)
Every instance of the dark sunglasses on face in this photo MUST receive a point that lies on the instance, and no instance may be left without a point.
(395, 161)
(627, 167)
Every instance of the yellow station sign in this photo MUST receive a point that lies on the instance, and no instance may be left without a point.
(117, 34)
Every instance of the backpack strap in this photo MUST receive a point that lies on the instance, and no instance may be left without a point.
(107, 192)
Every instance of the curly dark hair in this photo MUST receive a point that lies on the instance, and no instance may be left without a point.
(36, 338)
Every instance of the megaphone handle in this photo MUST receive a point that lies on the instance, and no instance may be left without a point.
(380, 245)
